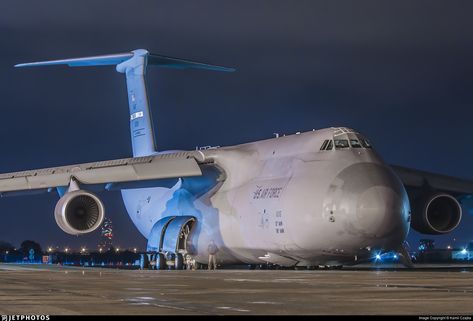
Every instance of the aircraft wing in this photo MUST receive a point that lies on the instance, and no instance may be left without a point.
(162, 167)
(413, 178)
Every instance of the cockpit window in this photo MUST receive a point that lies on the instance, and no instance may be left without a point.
(324, 145)
(365, 143)
(330, 145)
(355, 143)
(341, 143)
(327, 145)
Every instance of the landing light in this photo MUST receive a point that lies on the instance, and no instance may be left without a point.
(378, 257)
(464, 251)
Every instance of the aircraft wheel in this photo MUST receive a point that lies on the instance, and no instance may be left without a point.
(151, 261)
(160, 261)
(144, 262)
(179, 262)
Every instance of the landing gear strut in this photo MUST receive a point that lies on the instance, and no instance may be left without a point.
(160, 261)
(179, 261)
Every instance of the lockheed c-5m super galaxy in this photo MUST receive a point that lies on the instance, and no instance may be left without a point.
(322, 197)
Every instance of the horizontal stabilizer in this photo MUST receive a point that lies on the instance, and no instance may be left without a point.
(134, 66)
(177, 63)
(103, 60)
(115, 59)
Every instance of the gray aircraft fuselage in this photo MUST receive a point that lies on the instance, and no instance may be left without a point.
(286, 201)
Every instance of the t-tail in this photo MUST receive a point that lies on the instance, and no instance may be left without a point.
(133, 65)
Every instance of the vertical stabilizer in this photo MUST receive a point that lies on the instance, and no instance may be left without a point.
(141, 123)
(134, 65)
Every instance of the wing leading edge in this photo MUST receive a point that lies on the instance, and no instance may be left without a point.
(158, 167)
(413, 178)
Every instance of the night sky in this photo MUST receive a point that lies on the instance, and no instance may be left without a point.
(400, 72)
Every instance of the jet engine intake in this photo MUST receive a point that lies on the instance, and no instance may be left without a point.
(79, 212)
(438, 213)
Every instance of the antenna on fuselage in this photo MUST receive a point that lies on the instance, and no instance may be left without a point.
(133, 64)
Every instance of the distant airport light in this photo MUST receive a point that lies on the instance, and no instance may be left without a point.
(50, 249)
(134, 250)
(100, 250)
(6, 252)
(395, 256)
(82, 250)
(449, 247)
(66, 250)
(117, 250)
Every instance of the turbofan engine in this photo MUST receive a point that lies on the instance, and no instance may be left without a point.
(79, 212)
(436, 214)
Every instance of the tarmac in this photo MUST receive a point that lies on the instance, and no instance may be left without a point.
(53, 290)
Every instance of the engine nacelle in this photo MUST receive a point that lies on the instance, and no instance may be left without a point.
(79, 212)
(439, 213)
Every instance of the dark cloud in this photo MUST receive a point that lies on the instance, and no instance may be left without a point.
(400, 72)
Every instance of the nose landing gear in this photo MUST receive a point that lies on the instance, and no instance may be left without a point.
(405, 257)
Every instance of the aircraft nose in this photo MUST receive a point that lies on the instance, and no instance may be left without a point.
(372, 203)
(378, 211)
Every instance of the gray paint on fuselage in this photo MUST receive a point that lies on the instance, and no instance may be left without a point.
(285, 196)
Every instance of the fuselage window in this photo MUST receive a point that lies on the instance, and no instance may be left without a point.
(341, 143)
(324, 145)
(365, 143)
(355, 143)
(330, 145)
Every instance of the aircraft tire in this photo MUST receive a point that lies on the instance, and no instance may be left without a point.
(160, 261)
(179, 262)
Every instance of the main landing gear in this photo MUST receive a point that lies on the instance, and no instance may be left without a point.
(167, 243)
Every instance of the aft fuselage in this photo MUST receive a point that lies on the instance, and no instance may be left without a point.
(286, 201)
